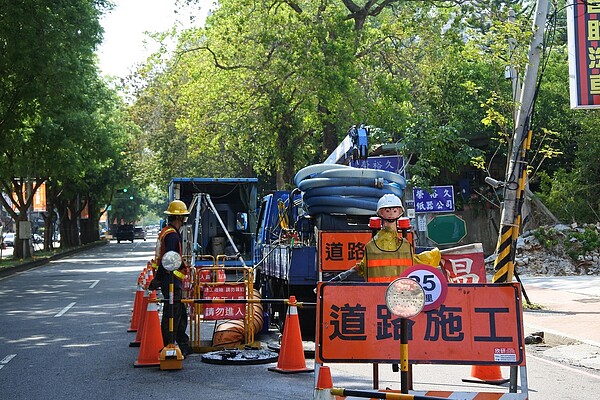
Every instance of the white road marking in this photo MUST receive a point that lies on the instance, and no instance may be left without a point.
(95, 283)
(6, 360)
(64, 310)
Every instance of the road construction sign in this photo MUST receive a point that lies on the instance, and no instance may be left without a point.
(340, 251)
(477, 324)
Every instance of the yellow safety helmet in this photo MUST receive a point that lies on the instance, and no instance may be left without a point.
(177, 207)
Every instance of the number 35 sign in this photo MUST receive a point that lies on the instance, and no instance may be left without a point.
(432, 281)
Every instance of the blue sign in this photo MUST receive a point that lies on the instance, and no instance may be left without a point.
(441, 199)
(386, 163)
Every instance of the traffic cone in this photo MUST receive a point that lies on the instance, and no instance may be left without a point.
(324, 385)
(152, 341)
(136, 315)
(291, 354)
(144, 307)
(490, 374)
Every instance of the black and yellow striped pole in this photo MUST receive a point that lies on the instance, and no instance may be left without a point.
(509, 232)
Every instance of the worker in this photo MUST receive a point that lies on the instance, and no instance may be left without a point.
(169, 239)
(387, 255)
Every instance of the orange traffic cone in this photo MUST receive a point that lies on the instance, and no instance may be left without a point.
(152, 341)
(143, 308)
(490, 374)
(324, 380)
(324, 385)
(291, 354)
(136, 315)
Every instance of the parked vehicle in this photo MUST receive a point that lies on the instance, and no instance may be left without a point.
(9, 239)
(139, 233)
(125, 232)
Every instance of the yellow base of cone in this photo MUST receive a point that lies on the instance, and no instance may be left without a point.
(171, 357)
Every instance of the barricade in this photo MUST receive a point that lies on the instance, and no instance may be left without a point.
(438, 336)
(211, 282)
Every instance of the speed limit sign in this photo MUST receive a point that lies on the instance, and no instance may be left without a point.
(432, 281)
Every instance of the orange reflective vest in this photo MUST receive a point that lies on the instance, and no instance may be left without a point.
(160, 246)
(386, 257)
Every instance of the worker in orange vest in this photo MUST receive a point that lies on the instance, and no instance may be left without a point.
(169, 239)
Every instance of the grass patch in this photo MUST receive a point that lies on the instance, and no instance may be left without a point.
(532, 306)
(10, 261)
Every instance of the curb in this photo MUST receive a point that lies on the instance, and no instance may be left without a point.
(555, 338)
(7, 271)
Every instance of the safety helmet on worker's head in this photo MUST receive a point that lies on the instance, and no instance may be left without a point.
(177, 207)
(389, 200)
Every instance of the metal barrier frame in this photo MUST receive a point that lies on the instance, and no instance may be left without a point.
(197, 309)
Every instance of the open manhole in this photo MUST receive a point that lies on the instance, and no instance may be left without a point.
(307, 347)
(240, 357)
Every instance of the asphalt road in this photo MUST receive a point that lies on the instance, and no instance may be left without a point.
(63, 335)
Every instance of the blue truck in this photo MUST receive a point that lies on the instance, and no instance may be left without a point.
(222, 221)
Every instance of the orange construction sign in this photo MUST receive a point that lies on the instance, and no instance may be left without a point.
(339, 251)
(477, 324)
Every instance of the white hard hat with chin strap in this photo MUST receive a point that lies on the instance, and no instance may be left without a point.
(387, 201)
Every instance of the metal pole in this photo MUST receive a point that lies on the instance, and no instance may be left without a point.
(404, 382)
(214, 210)
(504, 263)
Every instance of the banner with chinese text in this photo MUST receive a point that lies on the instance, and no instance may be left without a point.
(583, 23)
(476, 324)
(218, 311)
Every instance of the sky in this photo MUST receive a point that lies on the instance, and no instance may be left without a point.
(124, 27)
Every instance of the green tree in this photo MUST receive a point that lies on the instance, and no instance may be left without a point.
(55, 113)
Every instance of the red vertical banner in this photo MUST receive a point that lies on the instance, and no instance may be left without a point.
(583, 23)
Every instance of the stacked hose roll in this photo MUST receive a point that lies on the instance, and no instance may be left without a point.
(230, 333)
(340, 189)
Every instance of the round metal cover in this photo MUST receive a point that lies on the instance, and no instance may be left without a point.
(171, 260)
(405, 298)
(240, 357)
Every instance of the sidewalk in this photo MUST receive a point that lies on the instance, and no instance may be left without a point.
(570, 318)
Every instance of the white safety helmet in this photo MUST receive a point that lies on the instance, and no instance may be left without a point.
(389, 200)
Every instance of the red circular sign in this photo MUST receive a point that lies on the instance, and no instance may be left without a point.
(432, 281)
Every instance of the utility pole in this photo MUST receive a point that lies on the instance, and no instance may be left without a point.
(516, 172)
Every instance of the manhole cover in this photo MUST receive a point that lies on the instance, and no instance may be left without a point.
(308, 347)
(240, 357)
